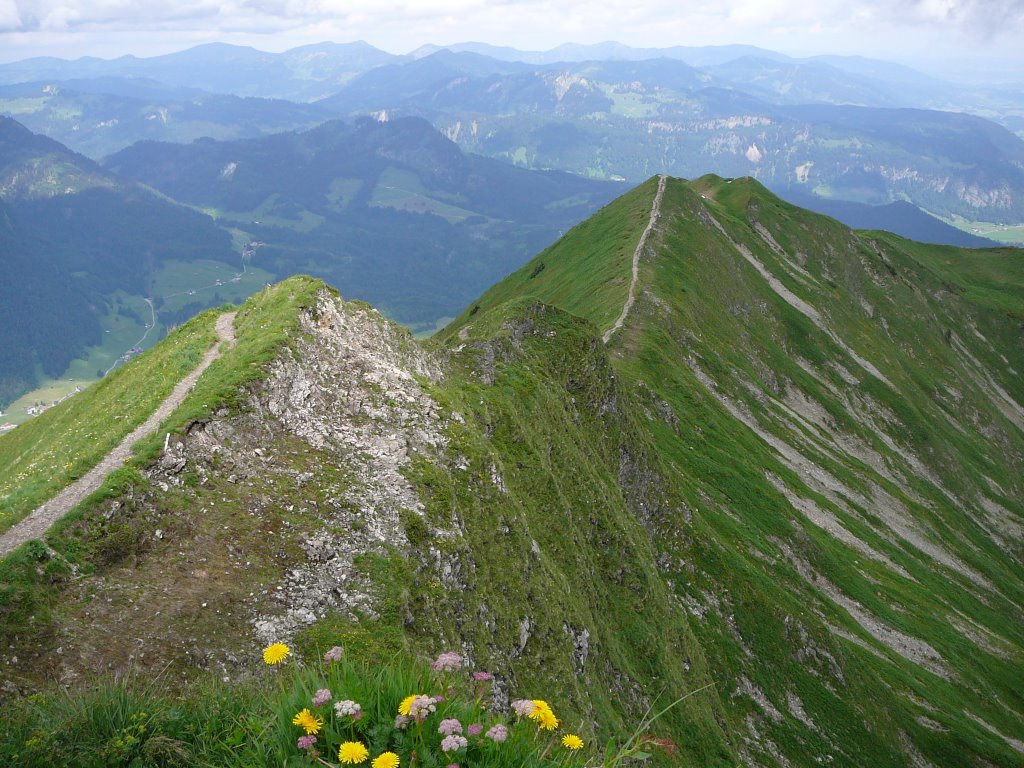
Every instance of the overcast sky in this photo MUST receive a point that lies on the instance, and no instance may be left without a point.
(971, 32)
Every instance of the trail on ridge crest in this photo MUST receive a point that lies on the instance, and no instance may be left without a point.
(40, 520)
(655, 212)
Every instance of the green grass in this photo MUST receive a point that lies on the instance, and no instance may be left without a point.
(587, 272)
(1011, 234)
(306, 222)
(403, 190)
(135, 722)
(343, 191)
(42, 456)
(992, 277)
(604, 525)
(23, 106)
(181, 283)
(631, 104)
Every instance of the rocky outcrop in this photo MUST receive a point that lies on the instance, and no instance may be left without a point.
(352, 388)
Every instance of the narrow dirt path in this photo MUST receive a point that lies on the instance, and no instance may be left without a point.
(40, 520)
(655, 213)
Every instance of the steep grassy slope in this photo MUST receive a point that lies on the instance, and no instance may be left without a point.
(794, 473)
(50, 452)
(841, 414)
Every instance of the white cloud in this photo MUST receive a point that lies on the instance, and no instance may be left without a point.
(872, 27)
(9, 17)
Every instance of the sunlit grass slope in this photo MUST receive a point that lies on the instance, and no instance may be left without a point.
(41, 457)
(839, 413)
(794, 475)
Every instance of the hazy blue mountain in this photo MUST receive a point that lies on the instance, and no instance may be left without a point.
(100, 116)
(396, 83)
(800, 82)
(71, 236)
(883, 71)
(697, 56)
(900, 217)
(300, 74)
(392, 212)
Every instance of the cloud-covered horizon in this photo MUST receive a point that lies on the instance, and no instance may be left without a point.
(872, 27)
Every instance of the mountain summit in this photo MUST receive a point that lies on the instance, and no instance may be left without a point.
(705, 438)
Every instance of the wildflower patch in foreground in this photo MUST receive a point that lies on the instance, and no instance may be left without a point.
(448, 722)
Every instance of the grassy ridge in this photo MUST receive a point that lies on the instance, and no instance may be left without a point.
(768, 584)
(31, 579)
(43, 456)
(789, 489)
(586, 272)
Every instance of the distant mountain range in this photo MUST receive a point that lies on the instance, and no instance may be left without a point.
(629, 119)
(839, 127)
(72, 235)
(391, 212)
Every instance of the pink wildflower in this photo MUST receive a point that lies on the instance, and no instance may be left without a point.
(306, 742)
(334, 654)
(453, 743)
(498, 733)
(401, 721)
(421, 707)
(474, 729)
(523, 707)
(447, 662)
(482, 677)
(449, 726)
(321, 697)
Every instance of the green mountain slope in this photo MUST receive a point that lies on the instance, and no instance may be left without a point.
(391, 211)
(842, 414)
(79, 249)
(794, 473)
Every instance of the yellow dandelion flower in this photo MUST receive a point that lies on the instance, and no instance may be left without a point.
(543, 716)
(308, 721)
(403, 708)
(572, 741)
(275, 653)
(352, 752)
(386, 760)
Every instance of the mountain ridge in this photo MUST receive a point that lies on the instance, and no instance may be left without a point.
(793, 473)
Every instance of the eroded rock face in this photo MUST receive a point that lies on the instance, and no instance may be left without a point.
(350, 389)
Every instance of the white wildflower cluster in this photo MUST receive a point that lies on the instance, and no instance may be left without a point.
(346, 707)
